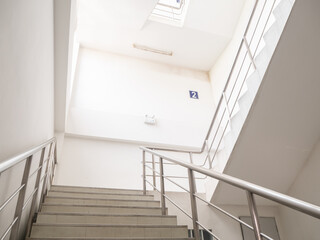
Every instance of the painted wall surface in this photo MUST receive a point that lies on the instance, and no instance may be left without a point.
(26, 91)
(220, 71)
(305, 187)
(112, 94)
(101, 163)
(96, 163)
(26, 82)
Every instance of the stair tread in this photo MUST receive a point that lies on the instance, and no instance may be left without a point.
(106, 238)
(107, 225)
(98, 188)
(96, 205)
(102, 193)
(109, 199)
(101, 214)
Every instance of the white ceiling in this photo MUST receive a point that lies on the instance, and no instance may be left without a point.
(114, 26)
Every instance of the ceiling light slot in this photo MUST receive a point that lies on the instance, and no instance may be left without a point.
(154, 50)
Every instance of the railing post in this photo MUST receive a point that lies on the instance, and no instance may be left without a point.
(254, 215)
(194, 210)
(208, 154)
(144, 172)
(163, 199)
(36, 186)
(249, 52)
(44, 184)
(227, 106)
(20, 202)
(153, 173)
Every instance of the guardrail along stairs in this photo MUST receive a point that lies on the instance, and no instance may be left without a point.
(100, 213)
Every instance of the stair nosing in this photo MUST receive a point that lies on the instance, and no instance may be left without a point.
(111, 215)
(112, 238)
(100, 193)
(108, 199)
(86, 205)
(108, 225)
(120, 189)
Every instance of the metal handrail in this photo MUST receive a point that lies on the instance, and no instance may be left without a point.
(20, 157)
(20, 192)
(244, 42)
(250, 188)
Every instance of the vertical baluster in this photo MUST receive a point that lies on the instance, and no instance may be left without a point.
(153, 173)
(227, 106)
(163, 199)
(34, 199)
(194, 210)
(208, 154)
(249, 52)
(254, 215)
(44, 184)
(20, 202)
(53, 164)
(144, 172)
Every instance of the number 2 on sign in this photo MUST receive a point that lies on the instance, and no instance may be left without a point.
(194, 94)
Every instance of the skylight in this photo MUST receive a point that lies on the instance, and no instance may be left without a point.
(172, 12)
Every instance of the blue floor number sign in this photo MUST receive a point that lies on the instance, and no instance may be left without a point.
(193, 94)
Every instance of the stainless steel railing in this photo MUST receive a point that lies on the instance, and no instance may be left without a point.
(250, 189)
(43, 174)
(243, 65)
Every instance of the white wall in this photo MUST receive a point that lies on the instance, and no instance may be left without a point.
(26, 89)
(97, 163)
(220, 71)
(26, 67)
(112, 94)
(305, 187)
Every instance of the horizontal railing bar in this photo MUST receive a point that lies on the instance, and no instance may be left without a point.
(11, 197)
(167, 176)
(154, 187)
(231, 216)
(224, 212)
(19, 158)
(151, 170)
(213, 235)
(177, 184)
(175, 204)
(283, 199)
(43, 177)
(29, 198)
(9, 228)
(35, 171)
(163, 163)
(170, 176)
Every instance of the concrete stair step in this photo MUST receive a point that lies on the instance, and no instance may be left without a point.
(112, 238)
(94, 189)
(103, 209)
(53, 193)
(76, 218)
(112, 231)
(113, 202)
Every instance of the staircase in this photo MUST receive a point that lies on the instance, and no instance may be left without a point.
(98, 213)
